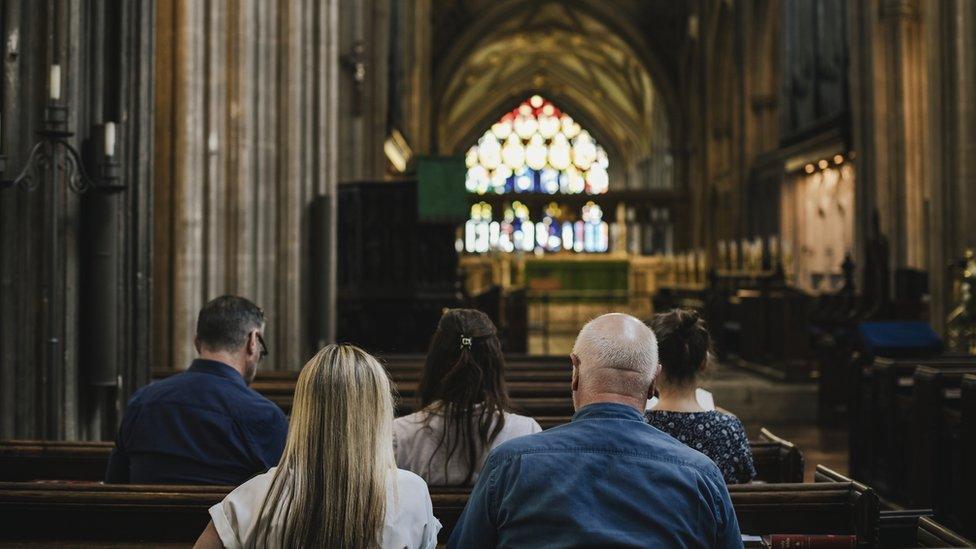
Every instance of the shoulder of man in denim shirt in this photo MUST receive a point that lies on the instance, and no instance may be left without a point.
(606, 481)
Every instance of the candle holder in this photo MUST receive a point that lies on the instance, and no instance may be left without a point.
(53, 155)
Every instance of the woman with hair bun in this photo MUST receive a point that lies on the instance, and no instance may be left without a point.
(683, 348)
(465, 406)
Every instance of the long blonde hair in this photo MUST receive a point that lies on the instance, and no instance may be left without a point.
(331, 483)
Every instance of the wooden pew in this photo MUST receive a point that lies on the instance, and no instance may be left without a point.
(886, 422)
(52, 512)
(933, 534)
(936, 441)
(776, 460)
(901, 527)
(963, 490)
(532, 380)
(410, 366)
(24, 460)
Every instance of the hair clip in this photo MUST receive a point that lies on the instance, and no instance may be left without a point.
(465, 342)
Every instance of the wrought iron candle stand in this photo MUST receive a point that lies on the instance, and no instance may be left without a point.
(53, 155)
(51, 158)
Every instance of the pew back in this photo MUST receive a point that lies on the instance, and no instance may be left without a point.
(66, 511)
(776, 461)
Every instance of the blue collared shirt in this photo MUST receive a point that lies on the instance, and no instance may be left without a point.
(202, 426)
(606, 479)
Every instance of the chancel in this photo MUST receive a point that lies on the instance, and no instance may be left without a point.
(343, 272)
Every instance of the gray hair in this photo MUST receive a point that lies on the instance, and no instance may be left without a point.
(224, 323)
(617, 354)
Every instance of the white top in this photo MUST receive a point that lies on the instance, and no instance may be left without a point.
(704, 398)
(409, 521)
(414, 445)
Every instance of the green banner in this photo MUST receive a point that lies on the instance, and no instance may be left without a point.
(441, 196)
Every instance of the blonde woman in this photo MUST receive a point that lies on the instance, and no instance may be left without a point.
(337, 484)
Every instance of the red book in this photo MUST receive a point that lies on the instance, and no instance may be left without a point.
(800, 541)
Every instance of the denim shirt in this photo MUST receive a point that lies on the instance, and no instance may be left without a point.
(202, 426)
(606, 479)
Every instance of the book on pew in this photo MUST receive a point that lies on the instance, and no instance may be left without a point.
(802, 541)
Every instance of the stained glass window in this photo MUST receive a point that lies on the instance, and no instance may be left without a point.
(536, 148)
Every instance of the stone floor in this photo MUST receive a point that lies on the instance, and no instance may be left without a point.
(756, 399)
(789, 410)
(820, 445)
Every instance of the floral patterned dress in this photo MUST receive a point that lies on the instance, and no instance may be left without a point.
(718, 435)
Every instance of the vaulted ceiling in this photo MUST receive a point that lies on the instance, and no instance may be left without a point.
(611, 65)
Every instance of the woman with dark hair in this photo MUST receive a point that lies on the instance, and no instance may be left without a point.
(465, 409)
(683, 348)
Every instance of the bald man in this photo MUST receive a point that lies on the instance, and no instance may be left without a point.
(607, 478)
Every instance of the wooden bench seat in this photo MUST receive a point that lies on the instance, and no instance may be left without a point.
(936, 440)
(900, 527)
(965, 485)
(59, 510)
(882, 450)
(776, 460)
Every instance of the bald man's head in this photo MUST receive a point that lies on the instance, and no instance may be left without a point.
(615, 356)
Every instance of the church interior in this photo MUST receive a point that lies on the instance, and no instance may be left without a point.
(797, 171)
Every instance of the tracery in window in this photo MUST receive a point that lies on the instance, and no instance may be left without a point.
(537, 148)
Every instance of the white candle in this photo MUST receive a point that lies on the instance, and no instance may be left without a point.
(55, 82)
(110, 139)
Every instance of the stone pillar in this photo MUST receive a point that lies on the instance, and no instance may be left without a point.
(903, 192)
(418, 61)
(889, 101)
(950, 35)
(246, 135)
(364, 54)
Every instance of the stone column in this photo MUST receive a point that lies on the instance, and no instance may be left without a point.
(419, 39)
(950, 35)
(904, 189)
(889, 102)
(246, 142)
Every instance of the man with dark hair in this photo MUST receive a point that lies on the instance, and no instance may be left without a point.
(204, 425)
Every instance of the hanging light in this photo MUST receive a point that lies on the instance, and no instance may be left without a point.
(584, 150)
(601, 158)
(568, 125)
(476, 175)
(559, 152)
(528, 235)
(502, 129)
(536, 153)
(489, 151)
(499, 177)
(549, 179)
(513, 153)
(471, 158)
(567, 235)
(564, 183)
(523, 180)
(597, 179)
(526, 126)
(548, 125)
(577, 183)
